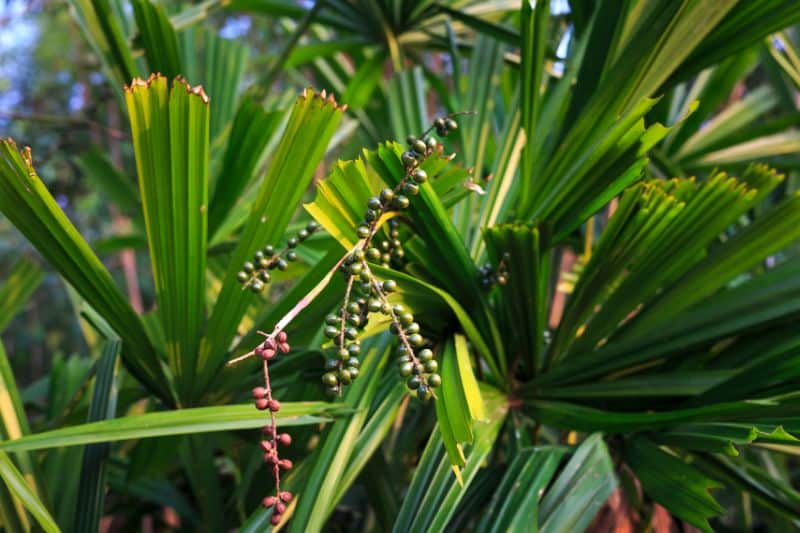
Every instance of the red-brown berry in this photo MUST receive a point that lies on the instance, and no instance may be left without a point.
(274, 405)
(280, 508)
(262, 403)
(266, 445)
(281, 337)
(268, 502)
(286, 496)
(286, 464)
(259, 392)
(285, 439)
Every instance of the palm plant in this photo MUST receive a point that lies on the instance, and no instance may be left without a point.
(658, 364)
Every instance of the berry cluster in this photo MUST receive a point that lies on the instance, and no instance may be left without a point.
(365, 294)
(491, 276)
(267, 351)
(255, 274)
(392, 250)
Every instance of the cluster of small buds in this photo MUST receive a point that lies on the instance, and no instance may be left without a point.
(491, 276)
(419, 368)
(262, 396)
(365, 294)
(255, 274)
(444, 125)
(391, 249)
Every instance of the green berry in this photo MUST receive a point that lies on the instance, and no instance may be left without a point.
(386, 308)
(257, 286)
(402, 202)
(403, 359)
(374, 203)
(370, 215)
(351, 333)
(258, 256)
(431, 366)
(302, 234)
(374, 305)
(330, 379)
(345, 376)
(356, 268)
(409, 159)
(331, 364)
(330, 332)
(424, 393)
(354, 320)
(413, 382)
(242, 276)
(373, 254)
(291, 255)
(418, 369)
(405, 369)
(419, 146)
(432, 144)
(450, 124)
(406, 319)
(333, 320)
(264, 276)
(385, 258)
(362, 232)
(434, 380)
(420, 176)
(411, 139)
(248, 267)
(389, 285)
(263, 263)
(353, 308)
(353, 372)
(282, 264)
(394, 328)
(425, 355)
(353, 362)
(354, 349)
(402, 350)
(398, 309)
(343, 353)
(439, 122)
(387, 195)
(269, 250)
(415, 339)
(331, 392)
(411, 188)
(412, 328)
(312, 226)
(292, 243)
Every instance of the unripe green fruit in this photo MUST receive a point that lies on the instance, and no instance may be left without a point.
(424, 393)
(406, 369)
(330, 332)
(413, 382)
(431, 366)
(415, 339)
(425, 355)
(330, 379)
(434, 380)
